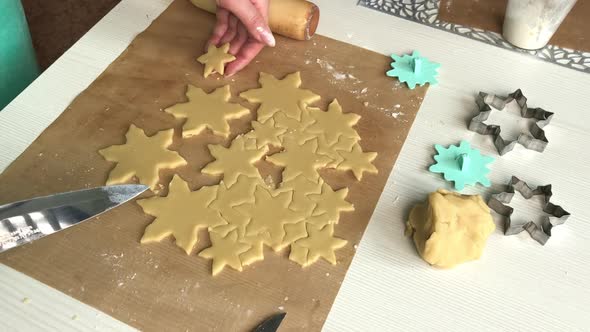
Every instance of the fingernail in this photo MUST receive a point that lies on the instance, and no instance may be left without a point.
(266, 36)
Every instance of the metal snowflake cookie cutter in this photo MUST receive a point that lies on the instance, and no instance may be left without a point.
(535, 139)
(541, 233)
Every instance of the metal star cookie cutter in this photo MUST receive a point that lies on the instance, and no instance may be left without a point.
(533, 140)
(541, 233)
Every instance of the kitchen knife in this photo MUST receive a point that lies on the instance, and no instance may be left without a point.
(25, 221)
(271, 324)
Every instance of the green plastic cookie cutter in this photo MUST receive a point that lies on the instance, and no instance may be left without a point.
(414, 69)
(462, 165)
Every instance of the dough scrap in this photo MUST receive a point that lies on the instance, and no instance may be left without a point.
(224, 251)
(450, 228)
(142, 156)
(321, 243)
(358, 162)
(284, 95)
(300, 160)
(181, 214)
(234, 161)
(333, 123)
(204, 110)
(215, 59)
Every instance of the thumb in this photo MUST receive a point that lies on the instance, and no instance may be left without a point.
(252, 19)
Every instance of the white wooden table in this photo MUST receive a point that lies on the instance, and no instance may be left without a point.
(517, 285)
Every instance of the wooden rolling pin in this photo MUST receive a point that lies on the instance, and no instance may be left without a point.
(297, 19)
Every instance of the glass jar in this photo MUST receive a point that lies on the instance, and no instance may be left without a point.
(530, 24)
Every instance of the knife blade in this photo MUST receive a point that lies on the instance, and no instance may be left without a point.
(26, 221)
(271, 324)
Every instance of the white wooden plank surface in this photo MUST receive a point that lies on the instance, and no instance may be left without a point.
(28, 305)
(517, 285)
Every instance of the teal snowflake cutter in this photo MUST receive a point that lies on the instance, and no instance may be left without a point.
(413, 70)
(462, 164)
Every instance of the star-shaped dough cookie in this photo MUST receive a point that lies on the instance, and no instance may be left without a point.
(300, 160)
(203, 110)
(269, 214)
(329, 205)
(224, 251)
(302, 187)
(284, 95)
(229, 197)
(321, 243)
(142, 156)
(358, 162)
(266, 133)
(333, 123)
(215, 59)
(234, 161)
(181, 214)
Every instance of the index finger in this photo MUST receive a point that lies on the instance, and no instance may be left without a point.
(220, 27)
(244, 57)
(252, 19)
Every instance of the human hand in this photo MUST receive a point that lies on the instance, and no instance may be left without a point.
(243, 24)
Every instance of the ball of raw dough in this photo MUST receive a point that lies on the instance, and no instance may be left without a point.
(450, 228)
